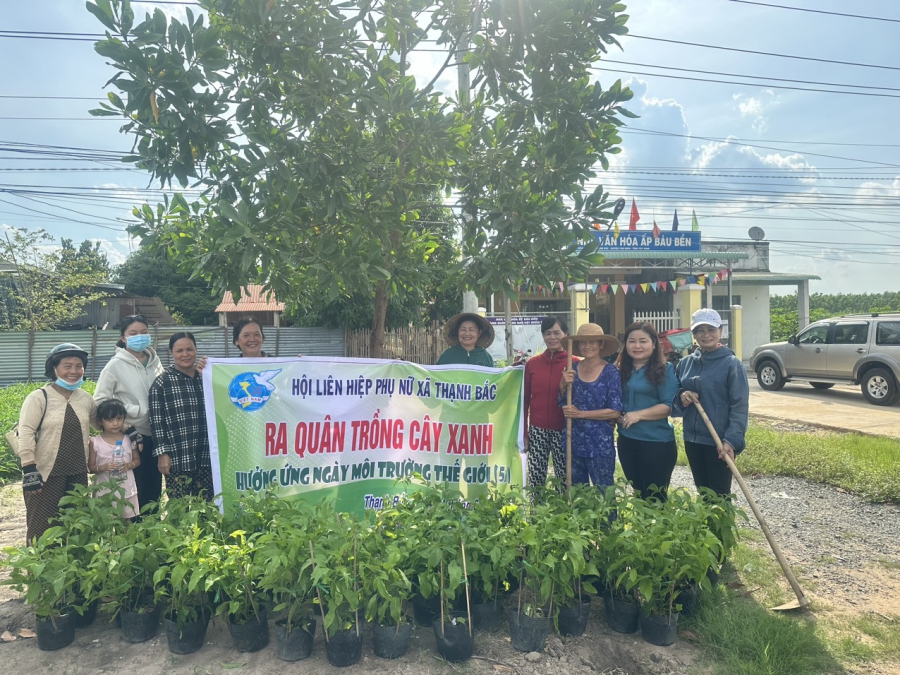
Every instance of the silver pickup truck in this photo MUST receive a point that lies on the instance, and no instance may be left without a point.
(861, 349)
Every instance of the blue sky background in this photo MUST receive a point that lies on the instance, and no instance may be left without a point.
(819, 172)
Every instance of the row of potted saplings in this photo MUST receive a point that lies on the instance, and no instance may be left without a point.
(460, 566)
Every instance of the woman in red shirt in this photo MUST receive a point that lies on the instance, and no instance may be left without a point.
(543, 417)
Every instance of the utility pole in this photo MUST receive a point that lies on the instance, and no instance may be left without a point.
(470, 299)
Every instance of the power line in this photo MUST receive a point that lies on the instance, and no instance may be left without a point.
(53, 98)
(768, 86)
(753, 145)
(817, 11)
(752, 77)
(760, 53)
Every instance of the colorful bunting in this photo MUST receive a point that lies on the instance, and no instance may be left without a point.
(695, 226)
(615, 288)
(675, 222)
(616, 230)
(656, 231)
(635, 216)
(645, 287)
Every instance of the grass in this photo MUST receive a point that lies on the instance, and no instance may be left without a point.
(10, 403)
(741, 637)
(868, 466)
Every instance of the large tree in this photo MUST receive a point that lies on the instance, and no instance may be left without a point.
(317, 148)
(45, 289)
(86, 259)
(152, 273)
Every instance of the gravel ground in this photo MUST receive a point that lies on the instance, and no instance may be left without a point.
(840, 542)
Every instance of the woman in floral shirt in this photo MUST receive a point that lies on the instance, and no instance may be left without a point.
(596, 405)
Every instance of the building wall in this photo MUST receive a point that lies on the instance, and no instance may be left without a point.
(755, 303)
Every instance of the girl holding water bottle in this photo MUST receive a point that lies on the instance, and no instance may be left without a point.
(111, 456)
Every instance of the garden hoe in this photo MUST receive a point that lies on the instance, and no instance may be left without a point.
(801, 601)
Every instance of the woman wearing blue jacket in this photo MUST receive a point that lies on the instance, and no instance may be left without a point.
(716, 378)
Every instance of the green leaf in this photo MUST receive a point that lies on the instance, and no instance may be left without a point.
(105, 16)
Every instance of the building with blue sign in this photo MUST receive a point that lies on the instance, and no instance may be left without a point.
(663, 279)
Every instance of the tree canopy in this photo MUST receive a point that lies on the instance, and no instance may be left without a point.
(783, 309)
(316, 149)
(47, 289)
(152, 273)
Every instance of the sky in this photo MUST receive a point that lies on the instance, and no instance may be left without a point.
(717, 133)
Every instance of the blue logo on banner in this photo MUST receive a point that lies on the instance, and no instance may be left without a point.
(251, 391)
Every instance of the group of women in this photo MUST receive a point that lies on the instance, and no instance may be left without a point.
(164, 414)
(635, 396)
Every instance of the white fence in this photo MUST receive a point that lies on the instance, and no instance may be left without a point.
(660, 320)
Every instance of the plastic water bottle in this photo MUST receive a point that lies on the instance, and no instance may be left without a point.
(118, 460)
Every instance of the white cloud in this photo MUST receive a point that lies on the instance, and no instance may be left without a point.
(756, 108)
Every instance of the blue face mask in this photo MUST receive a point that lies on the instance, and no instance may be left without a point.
(138, 343)
(71, 386)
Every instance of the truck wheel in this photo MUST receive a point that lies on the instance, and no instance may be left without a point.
(879, 387)
(821, 385)
(769, 376)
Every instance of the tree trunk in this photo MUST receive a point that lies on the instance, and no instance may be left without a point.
(376, 337)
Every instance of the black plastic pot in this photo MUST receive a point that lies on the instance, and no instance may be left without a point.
(139, 626)
(687, 598)
(453, 641)
(391, 642)
(488, 616)
(528, 633)
(251, 636)
(87, 618)
(188, 638)
(295, 644)
(51, 637)
(659, 629)
(573, 620)
(344, 648)
(425, 610)
(622, 613)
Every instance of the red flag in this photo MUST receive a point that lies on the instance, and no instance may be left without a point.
(656, 232)
(635, 216)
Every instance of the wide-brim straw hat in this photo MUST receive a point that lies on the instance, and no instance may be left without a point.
(486, 337)
(609, 344)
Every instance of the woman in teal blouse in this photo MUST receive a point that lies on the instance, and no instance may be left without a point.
(468, 336)
(647, 450)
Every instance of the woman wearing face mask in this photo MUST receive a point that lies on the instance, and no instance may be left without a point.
(54, 431)
(716, 377)
(127, 377)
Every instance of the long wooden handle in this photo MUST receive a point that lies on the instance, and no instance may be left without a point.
(756, 512)
(569, 422)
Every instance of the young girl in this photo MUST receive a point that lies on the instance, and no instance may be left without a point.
(101, 461)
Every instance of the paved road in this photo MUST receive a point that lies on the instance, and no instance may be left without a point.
(840, 407)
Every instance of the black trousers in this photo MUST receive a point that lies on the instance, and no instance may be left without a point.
(648, 463)
(147, 476)
(708, 470)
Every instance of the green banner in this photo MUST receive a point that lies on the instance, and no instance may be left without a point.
(348, 429)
